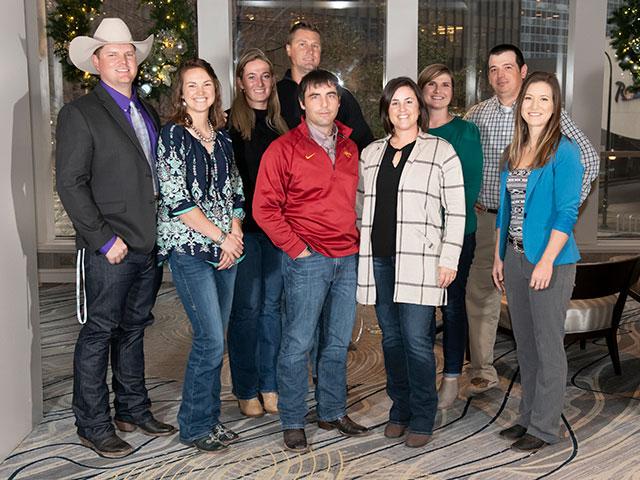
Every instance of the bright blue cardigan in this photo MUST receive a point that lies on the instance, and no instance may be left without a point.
(551, 203)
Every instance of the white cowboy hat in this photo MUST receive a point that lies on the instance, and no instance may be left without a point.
(110, 30)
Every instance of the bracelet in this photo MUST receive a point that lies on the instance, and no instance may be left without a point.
(221, 239)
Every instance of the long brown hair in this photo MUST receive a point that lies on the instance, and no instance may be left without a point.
(243, 118)
(179, 113)
(550, 137)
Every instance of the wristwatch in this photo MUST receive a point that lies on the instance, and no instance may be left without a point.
(221, 239)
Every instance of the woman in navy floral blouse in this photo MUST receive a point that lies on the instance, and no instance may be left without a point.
(200, 234)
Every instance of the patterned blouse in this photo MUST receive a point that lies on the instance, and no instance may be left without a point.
(190, 177)
(517, 188)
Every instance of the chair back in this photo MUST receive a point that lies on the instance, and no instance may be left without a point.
(595, 280)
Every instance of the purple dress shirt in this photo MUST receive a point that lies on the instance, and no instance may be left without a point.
(123, 102)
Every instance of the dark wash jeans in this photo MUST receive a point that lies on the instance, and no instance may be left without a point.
(206, 294)
(254, 329)
(119, 302)
(319, 291)
(454, 313)
(408, 333)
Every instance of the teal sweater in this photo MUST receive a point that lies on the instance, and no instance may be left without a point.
(465, 138)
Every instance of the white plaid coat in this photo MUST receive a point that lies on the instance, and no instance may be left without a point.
(430, 220)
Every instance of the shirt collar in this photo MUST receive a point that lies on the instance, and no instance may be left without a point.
(122, 100)
(320, 137)
(502, 108)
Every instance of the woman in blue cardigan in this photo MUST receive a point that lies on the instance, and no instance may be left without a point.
(536, 254)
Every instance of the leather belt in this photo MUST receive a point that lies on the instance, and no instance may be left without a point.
(485, 209)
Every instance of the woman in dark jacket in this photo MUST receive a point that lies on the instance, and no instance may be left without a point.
(254, 329)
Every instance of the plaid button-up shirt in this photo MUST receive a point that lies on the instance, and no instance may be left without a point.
(496, 124)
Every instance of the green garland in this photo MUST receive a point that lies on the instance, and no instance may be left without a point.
(173, 41)
(625, 39)
(68, 20)
(173, 22)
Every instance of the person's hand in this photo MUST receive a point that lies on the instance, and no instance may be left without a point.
(225, 261)
(232, 246)
(305, 253)
(445, 276)
(541, 276)
(236, 228)
(117, 252)
(498, 273)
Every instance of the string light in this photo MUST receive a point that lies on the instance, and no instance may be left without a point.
(625, 39)
(173, 22)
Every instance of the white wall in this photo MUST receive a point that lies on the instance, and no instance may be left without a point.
(585, 59)
(214, 43)
(20, 378)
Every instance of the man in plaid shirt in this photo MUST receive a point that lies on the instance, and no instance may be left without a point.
(495, 120)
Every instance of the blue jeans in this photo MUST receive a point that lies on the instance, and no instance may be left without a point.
(408, 333)
(254, 329)
(119, 302)
(206, 294)
(318, 291)
(454, 314)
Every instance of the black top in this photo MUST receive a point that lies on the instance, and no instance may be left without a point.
(349, 113)
(247, 155)
(383, 231)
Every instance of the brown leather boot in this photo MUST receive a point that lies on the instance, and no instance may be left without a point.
(393, 430)
(417, 440)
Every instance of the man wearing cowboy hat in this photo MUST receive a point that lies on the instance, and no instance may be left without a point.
(105, 176)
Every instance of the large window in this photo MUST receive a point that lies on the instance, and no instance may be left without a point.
(460, 35)
(619, 206)
(352, 41)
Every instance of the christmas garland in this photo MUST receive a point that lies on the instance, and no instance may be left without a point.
(625, 39)
(173, 22)
(173, 40)
(72, 18)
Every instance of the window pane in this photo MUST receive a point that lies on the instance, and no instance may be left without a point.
(461, 33)
(352, 32)
(619, 209)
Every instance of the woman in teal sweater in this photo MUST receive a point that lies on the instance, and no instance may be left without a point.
(436, 84)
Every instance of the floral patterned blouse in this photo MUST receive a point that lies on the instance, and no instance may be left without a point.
(191, 177)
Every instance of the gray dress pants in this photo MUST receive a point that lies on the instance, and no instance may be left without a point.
(537, 318)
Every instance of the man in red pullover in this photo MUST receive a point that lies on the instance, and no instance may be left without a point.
(305, 200)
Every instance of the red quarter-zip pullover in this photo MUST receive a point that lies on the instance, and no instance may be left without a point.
(301, 198)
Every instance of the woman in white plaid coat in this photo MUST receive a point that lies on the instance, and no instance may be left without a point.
(413, 217)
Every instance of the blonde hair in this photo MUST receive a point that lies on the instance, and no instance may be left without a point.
(242, 116)
(551, 134)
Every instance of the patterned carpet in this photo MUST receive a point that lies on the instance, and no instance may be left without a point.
(601, 418)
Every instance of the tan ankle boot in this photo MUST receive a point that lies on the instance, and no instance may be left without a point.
(448, 392)
(270, 402)
(251, 407)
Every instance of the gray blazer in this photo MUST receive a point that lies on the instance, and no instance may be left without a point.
(430, 213)
(102, 175)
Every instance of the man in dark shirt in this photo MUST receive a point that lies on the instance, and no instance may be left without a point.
(105, 176)
(304, 48)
